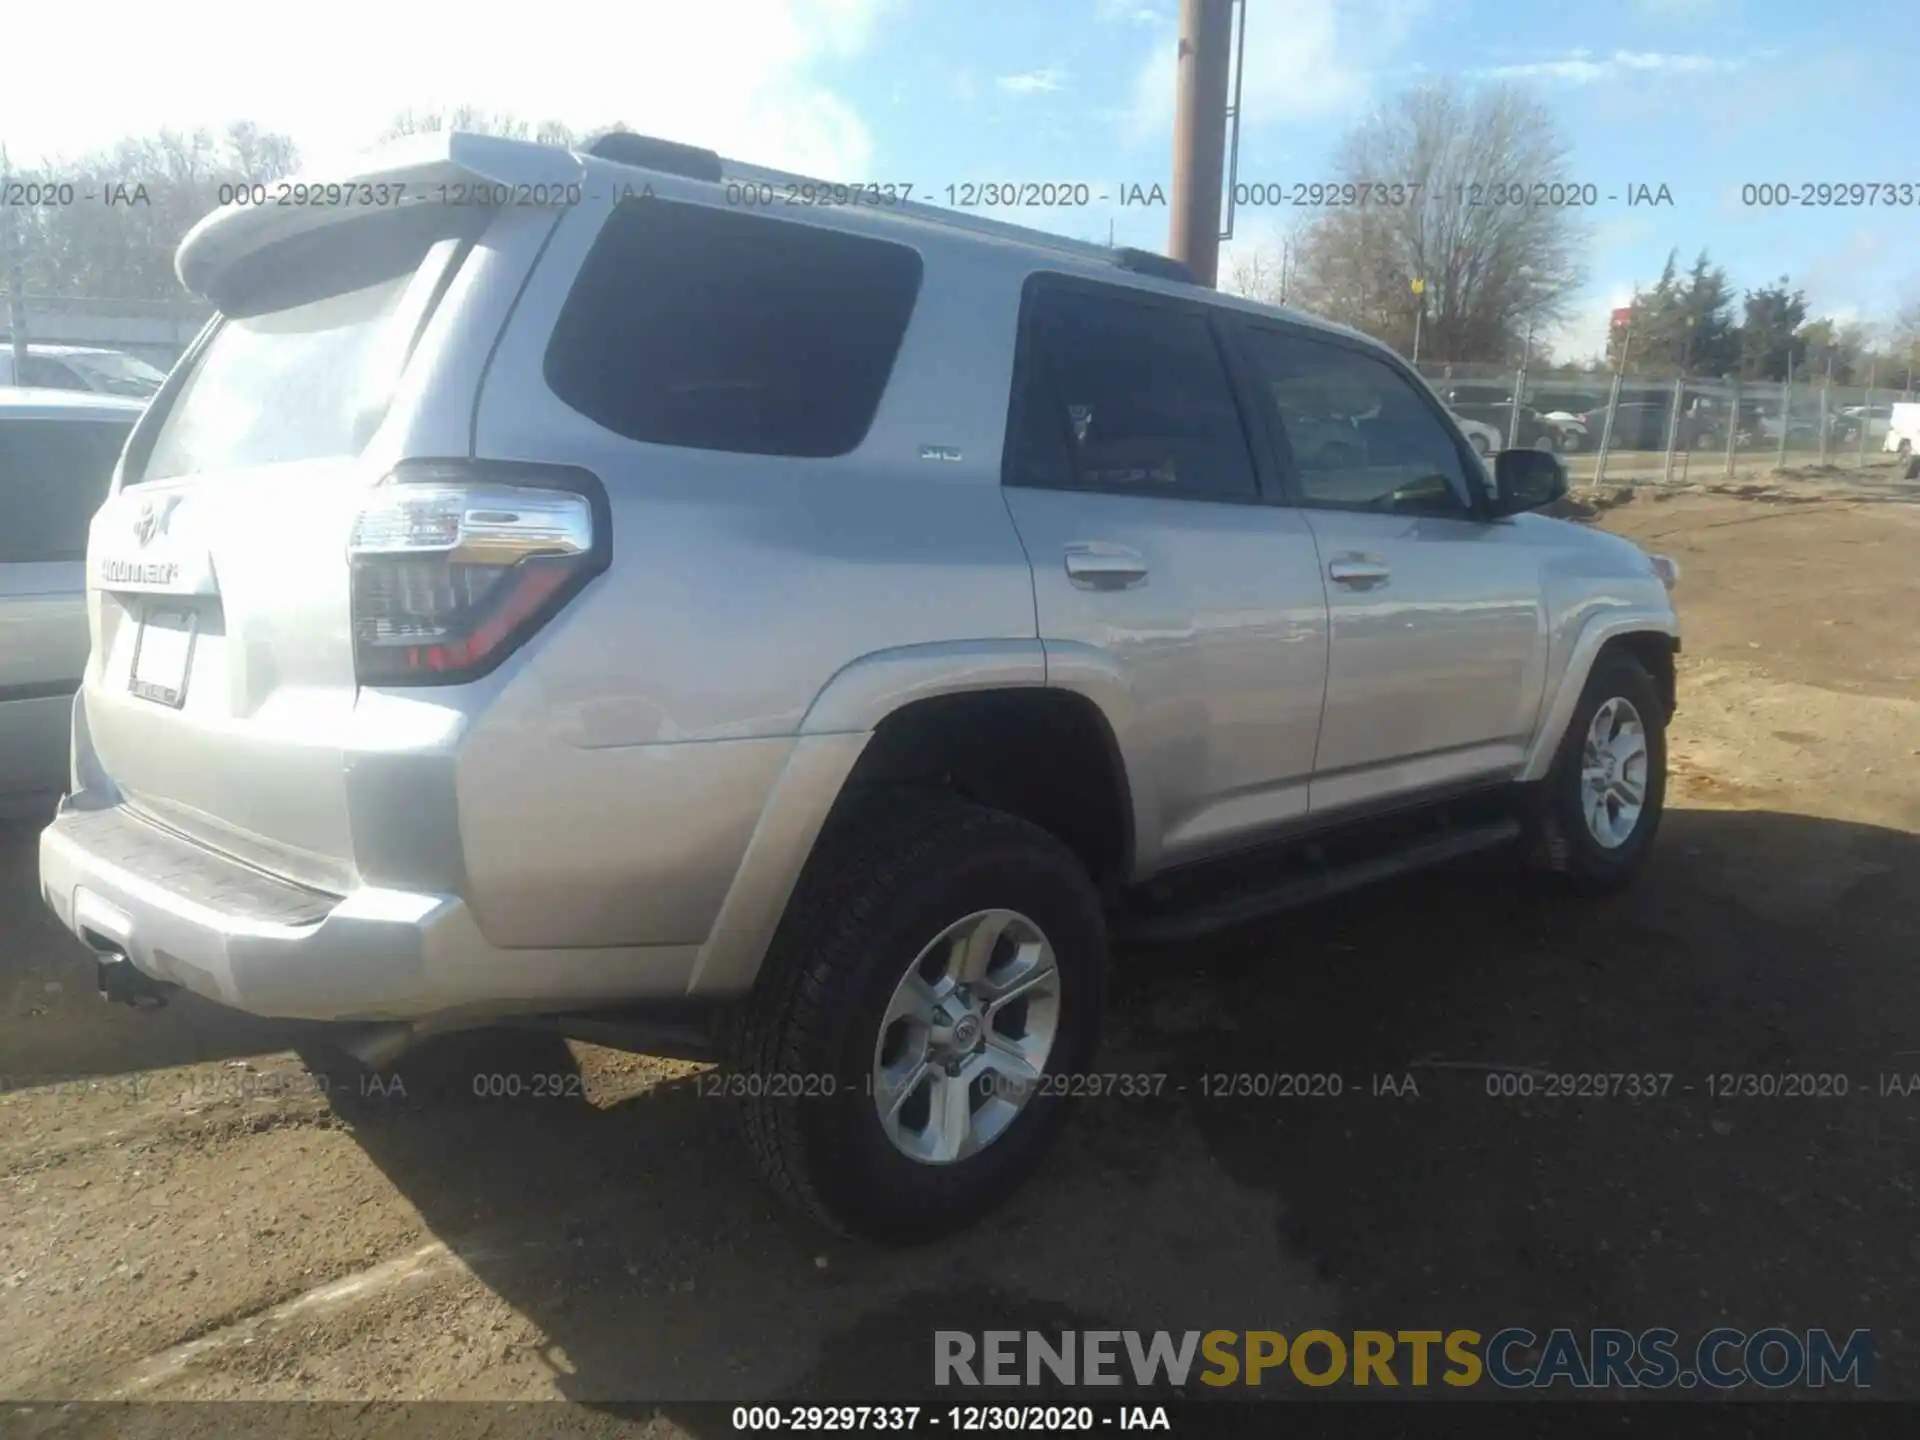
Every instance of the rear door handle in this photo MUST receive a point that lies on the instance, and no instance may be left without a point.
(1107, 568)
(1359, 571)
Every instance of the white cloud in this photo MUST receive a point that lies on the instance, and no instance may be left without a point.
(1129, 12)
(1034, 82)
(1305, 60)
(1584, 332)
(1582, 67)
(742, 77)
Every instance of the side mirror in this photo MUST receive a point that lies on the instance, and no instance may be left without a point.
(1526, 480)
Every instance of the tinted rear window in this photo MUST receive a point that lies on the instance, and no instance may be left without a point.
(53, 476)
(716, 330)
(313, 327)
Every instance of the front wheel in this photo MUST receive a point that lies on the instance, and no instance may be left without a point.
(936, 983)
(1600, 806)
(1547, 442)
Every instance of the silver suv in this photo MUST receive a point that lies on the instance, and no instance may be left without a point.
(570, 585)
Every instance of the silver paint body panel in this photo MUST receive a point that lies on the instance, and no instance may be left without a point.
(621, 810)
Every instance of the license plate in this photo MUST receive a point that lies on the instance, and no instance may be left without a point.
(161, 654)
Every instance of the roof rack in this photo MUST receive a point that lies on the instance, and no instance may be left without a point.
(625, 148)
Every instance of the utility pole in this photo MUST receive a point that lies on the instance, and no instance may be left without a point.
(1520, 387)
(1419, 313)
(1866, 413)
(16, 279)
(1786, 411)
(1826, 409)
(1200, 135)
(1613, 398)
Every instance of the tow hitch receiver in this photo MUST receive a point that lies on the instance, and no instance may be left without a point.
(121, 981)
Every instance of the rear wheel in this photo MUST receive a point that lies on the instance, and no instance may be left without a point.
(1546, 441)
(1600, 806)
(940, 970)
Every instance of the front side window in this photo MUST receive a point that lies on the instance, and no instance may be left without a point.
(1124, 395)
(53, 476)
(1361, 436)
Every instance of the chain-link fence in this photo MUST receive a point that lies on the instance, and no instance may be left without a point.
(1641, 427)
(157, 331)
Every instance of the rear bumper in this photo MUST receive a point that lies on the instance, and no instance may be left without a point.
(190, 916)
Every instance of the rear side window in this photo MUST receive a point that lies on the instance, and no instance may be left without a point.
(716, 330)
(53, 476)
(314, 332)
(1125, 395)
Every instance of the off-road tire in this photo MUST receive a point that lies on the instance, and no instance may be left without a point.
(887, 880)
(1559, 845)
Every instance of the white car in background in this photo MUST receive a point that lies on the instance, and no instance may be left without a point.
(1486, 440)
(1903, 438)
(82, 367)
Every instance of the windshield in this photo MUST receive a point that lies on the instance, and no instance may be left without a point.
(118, 374)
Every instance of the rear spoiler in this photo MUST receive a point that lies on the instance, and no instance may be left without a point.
(410, 168)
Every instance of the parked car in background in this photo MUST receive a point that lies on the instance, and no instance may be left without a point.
(57, 453)
(1903, 436)
(1876, 420)
(1486, 440)
(82, 367)
(1576, 412)
(1488, 406)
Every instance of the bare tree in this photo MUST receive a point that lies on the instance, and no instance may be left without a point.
(487, 122)
(1454, 186)
(1263, 272)
(142, 196)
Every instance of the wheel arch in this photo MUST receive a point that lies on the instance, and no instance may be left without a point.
(973, 718)
(1650, 637)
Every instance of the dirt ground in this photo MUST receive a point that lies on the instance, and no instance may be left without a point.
(185, 1213)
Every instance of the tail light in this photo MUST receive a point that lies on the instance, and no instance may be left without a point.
(456, 563)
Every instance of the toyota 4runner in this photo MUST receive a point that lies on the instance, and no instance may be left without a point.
(568, 587)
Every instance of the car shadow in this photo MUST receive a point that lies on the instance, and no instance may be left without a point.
(1501, 1111)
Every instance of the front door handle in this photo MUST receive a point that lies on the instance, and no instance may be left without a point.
(1108, 568)
(1359, 571)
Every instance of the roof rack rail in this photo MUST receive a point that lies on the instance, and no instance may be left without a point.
(1147, 262)
(623, 147)
(932, 214)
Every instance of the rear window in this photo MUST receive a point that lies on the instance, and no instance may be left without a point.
(53, 476)
(716, 330)
(313, 334)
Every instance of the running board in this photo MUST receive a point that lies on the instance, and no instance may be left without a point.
(1245, 906)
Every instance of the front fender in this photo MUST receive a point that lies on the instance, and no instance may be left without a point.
(1592, 639)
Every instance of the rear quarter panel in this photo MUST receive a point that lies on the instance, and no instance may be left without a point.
(635, 748)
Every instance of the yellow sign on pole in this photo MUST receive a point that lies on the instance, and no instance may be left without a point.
(1419, 286)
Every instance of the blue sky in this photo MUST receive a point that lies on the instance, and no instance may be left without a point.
(1701, 95)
